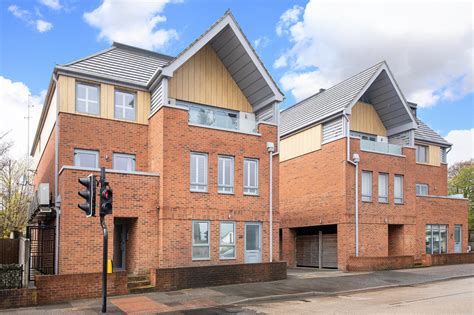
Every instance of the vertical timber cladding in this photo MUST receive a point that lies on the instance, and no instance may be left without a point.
(313, 244)
(364, 118)
(204, 79)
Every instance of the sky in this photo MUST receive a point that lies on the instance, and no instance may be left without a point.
(305, 45)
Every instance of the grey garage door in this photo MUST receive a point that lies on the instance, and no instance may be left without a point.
(307, 250)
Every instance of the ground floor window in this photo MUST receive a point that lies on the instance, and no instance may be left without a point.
(201, 240)
(436, 238)
(227, 240)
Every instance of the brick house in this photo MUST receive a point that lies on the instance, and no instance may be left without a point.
(187, 146)
(358, 147)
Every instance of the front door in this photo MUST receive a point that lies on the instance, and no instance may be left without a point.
(458, 238)
(120, 245)
(253, 242)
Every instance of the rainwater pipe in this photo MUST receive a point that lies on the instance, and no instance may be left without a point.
(271, 150)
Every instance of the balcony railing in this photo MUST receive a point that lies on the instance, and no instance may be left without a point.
(222, 118)
(381, 147)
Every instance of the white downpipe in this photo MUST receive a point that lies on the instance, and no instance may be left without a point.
(56, 181)
(271, 149)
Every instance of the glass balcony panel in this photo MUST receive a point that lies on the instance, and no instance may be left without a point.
(381, 147)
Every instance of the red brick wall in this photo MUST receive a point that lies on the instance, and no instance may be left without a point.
(378, 263)
(435, 176)
(104, 135)
(45, 168)
(11, 298)
(58, 288)
(135, 197)
(171, 141)
(447, 259)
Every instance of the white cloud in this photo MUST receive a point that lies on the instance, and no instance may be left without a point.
(463, 145)
(428, 46)
(280, 62)
(43, 26)
(53, 4)
(132, 22)
(261, 42)
(287, 18)
(15, 100)
(26, 16)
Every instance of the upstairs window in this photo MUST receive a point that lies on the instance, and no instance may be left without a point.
(364, 136)
(124, 105)
(421, 153)
(226, 175)
(366, 186)
(422, 189)
(398, 189)
(87, 99)
(124, 162)
(86, 158)
(198, 172)
(250, 177)
(383, 187)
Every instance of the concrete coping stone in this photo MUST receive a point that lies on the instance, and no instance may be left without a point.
(92, 169)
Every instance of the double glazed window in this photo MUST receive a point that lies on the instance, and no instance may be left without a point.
(86, 158)
(226, 175)
(198, 172)
(124, 105)
(250, 177)
(201, 240)
(422, 189)
(227, 240)
(383, 187)
(366, 186)
(421, 153)
(436, 238)
(87, 99)
(124, 162)
(398, 189)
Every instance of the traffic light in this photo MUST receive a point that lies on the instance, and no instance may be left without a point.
(89, 195)
(105, 199)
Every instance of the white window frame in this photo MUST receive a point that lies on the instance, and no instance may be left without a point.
(398, 199)
(227, 245)
(87, 100)
(196, 186)
(122, 108)
(425, 147)
(208, 245)
(221, 187)
(251, 190)
(420, 185)
(382, 198)
(91, 152)
(366, 198)
(124, 155)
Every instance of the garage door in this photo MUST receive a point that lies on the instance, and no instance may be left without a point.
(307, 250)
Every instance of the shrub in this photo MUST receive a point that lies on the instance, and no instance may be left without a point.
(11, 276)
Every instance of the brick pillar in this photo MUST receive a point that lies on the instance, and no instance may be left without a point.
(289, 246)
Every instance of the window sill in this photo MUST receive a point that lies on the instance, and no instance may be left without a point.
(367, 201)
(201, 259)
(226, 193)
(399, 203)
(252, 195)
(221, 258)
(384, 202)
(199, 191)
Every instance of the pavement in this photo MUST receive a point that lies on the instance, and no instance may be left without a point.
(301, 283)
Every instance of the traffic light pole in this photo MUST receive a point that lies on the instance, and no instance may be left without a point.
(105, 250)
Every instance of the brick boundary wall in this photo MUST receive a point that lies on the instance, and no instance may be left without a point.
(167, 279)
(379, 263)
(447, 259)
(10, 298)
(57, 288)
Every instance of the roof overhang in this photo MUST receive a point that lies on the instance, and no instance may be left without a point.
(240, 59)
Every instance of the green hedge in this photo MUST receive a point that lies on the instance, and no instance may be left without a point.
(10, 276)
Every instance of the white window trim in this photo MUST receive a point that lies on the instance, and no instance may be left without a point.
(94, 152)
(256, 178)
(426, 153)
(206, 167)
(124, 155)
(424, 185)
(367, 198)
(122, 107)
(220, 186)
(386, 188)
(439, 234)
(399, 200)
(208, 245)
(86, 100)
(220, 244)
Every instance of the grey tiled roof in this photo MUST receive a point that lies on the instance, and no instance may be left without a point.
(121, 62)
(325, 103)
(425, 133)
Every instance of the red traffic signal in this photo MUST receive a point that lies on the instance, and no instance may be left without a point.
(106, 200)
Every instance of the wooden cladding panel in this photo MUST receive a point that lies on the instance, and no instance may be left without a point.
(365, 119)
(204, 79)
(301, 143)
(434, 155)
(67, 99)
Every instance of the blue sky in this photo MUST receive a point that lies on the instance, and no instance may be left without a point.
(304, 44)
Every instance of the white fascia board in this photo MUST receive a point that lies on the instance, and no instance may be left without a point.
(228, 20)
(354, 101)
(265, 103)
